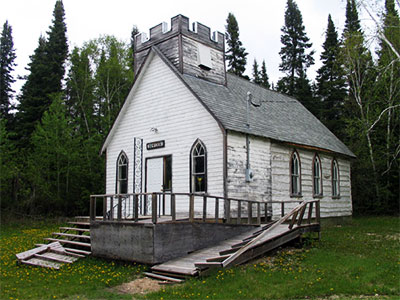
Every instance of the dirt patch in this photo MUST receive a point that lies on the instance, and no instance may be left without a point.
(139, 286)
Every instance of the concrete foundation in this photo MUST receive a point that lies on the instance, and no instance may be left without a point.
(156, 243)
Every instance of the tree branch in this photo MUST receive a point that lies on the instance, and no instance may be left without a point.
(381, 114)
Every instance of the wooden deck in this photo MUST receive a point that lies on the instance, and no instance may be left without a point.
(244, 247)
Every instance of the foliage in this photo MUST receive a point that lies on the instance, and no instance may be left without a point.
(295, 59)
(256, 73)
(264, 76)
(331, 82)
(7, 64)
(236, 54)
(45, 77)
(351, 261)
(88, 278)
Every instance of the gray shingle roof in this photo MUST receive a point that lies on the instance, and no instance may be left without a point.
(279, 117)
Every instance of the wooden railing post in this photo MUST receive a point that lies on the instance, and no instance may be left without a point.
(216, 210)
(310, 208)
(258, 213)
(204, 208)
(239, 213)
(173, 207)
(163, 204)
(282, 209)
(249, 212)
(111, 208)
(119, 208)
(136, 208)
(104, 208)
(228, 210)
(154, 208)
(191, 208)
(294, 217)
(301, 216)
(92, 208)
(317, 211)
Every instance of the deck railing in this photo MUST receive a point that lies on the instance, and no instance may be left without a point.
(197, 208)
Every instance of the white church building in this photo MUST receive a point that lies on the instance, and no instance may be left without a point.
(188, 126)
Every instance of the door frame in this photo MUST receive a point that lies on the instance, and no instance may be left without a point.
(164, 171)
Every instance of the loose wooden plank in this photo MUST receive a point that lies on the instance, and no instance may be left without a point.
(69, 242)
(217, 258)
(41, 263)
(52, 258)
(163, 277)
(63, 252)
(80, 223)
(207, 265)
(30, 253)
(78, 251)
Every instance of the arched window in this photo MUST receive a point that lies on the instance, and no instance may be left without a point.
(335, 179)
(295, 174)
(198, 168)
(317, 176)
(122, 174)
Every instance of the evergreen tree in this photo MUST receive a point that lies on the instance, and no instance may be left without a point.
(7, 57)
(256, 73)
(34, 98)
(46, 74)
(295, 60)
(236, 54)
(264, 76)
(352, 23)
(331, 82)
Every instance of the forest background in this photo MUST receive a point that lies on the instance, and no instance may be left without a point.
(52, 130)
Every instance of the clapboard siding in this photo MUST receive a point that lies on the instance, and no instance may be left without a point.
(281, 154)
(191, 65)
(260, 162)
(160, 100)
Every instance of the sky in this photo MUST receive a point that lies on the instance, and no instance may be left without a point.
(260, 23)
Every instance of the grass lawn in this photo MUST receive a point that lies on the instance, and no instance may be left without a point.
(362, 258)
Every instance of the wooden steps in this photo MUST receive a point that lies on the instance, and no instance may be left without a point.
(163, 277)
(65, 247)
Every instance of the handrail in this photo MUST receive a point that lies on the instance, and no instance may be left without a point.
(229, 203)
(293, 213)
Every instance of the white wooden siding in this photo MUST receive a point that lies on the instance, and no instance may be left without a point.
(260, 163)
(160, 100)
(330, 207)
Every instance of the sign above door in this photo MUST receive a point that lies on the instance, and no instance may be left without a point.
(155, 145)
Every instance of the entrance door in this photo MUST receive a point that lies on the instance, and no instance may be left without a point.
(159, 179)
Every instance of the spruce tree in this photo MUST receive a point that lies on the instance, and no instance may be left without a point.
(331, 81)
(236, 53)
(256, 73)
(295, 59)
(352, 23)
(264, 76)
(57, 48)
(46, 74)
(7, 64)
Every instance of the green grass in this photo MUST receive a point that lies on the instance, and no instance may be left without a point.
(362, 258)
(87, 278)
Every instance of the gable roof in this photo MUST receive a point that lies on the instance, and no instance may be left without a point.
(280, 117)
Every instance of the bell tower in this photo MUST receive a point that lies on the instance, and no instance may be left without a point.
(192, 51)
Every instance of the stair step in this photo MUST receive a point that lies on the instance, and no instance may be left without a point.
(163, 277)
(206, 265)
(78, 251)
(69, 242)
(80, 223)
(79, 236)
(63, 252)
(217, 258)
(75, 228)
(166, 273)
(239, 245)
(229, 251)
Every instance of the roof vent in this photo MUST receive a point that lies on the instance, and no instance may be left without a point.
(194, 27)
(164, 27)
(204, 57)
(215, 36)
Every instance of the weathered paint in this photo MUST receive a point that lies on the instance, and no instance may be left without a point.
(160, 100)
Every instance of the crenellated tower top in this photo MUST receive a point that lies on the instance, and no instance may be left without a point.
(192, 51)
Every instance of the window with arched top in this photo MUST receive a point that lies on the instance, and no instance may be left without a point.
(295, 174)
(335, 179)
(317, 176)
(198, 168)
(122, 174)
